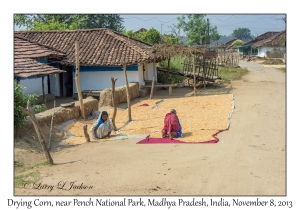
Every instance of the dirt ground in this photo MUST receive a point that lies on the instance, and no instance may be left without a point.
(249, 159)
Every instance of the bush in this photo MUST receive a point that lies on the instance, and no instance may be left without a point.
(39, 108)
(20, 99)
(176, 64)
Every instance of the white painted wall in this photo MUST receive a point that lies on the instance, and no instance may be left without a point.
(34, 86)
(263, 50)
(102, 79)
(54, 84)
(149, 71)
(99, 80)
(140, 73)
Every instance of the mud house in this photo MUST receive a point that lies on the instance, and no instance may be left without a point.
(101, 55)
(31, 69)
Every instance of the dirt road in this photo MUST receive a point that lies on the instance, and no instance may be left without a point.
(249, 159)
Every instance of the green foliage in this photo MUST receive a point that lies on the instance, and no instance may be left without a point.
(242, 33)
(39, 108)
(69, 21)
(283, 41)
(175, 64)
(151, 36)
(170, 39)
(20, 99)
(51, 24)
(198, 29)
(23, 179)
(230, 73)
(27, 168)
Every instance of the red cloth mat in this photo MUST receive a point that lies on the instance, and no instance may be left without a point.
(149, 140)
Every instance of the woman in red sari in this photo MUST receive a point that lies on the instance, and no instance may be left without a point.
(172, 127)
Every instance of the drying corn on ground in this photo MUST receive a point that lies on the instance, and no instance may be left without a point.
(201, 117)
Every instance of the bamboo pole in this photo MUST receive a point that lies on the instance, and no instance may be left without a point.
(128, 93)
(113, 84)
(168, 69)
(153, 80)
(31, 114)
(77, 79)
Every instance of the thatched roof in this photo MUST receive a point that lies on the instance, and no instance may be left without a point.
(25, 53)
(231, 46)
(228, 43)
(98, 47)
(275, 40)
(166, 50)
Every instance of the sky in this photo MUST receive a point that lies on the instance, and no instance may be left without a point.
(226, 23)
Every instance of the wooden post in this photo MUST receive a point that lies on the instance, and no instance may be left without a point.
(113, 84)
(194, 70)
(170, 90)
(87, 137)
(31, 114)
(128, 93)
(77, 79)
(168, 69)
(43, 88)
(153, 80)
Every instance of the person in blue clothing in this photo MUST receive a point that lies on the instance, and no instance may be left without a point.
(102, 128)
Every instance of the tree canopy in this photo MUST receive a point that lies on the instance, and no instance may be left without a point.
(198, 29)
(242, 33)
(151, 36)
(69, 21)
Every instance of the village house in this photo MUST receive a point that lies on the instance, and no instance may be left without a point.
(247, 49)
(102, 53)
(31, 69)
(272, 47)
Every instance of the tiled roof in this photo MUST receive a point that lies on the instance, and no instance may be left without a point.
(26, 67)
(260, 37)
(140, 30)
(24, 48)
(275, 40)
(98, 47)
(25, 53)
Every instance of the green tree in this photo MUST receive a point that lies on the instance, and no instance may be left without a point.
(20, 99)
(242, 33)
(198, 29)
(170, 39)
(151, 36)
(69, 21)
